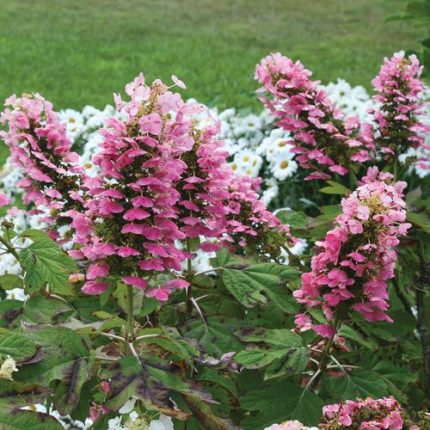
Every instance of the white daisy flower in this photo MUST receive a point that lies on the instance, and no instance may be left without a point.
(283, 166)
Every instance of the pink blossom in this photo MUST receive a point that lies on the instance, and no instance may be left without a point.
(135, 281)
(97, 270)
(94, 288)
(356, 278)
(4, 200)
(398, 86)
(368, 414)
(325, 141)
(40, 147)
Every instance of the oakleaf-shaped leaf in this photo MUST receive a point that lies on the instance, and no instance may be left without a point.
(360, 383)
(16, 346)
(45, 263)
(204, 414)
(20, 420)
(18, 394)
(253, 284)
(65, 359)
(278, 402)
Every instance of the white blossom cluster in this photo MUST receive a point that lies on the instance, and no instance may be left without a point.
(290, 425)
(128, 419)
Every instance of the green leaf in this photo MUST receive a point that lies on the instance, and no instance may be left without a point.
(245, 288)
(68, 393)
(222, 258)
(10, 312)
(14, 394)
(308, 408)
(149, 305)
(210, 375)
(130, 378)
(249, 284)
(281, 401)
(43, 310)
(218, 338)
(65, 359)
(176, 347)
(360, 383)
(19, 420)
(9, 282)
(419, 219)
(350, 333)
(276, 337)
(287, 349)
(35, 234)
(296, 220)
(283, 299)
(45, 263)
(204, 414)
(17, 346)
(335, 188)
(257, 358)
(121, 296)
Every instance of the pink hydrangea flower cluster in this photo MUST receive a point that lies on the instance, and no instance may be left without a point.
(326, 142)
(40, 147)
(398, 88)
(163, 181)
(249, 222)
(368, 414)
(358, 256)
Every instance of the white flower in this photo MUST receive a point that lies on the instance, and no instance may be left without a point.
(225, 115)
(251, 124)
(247, 162)
(283, 166)
(163, 423)
(271, 191)
(7, 368)
(74, 122)
(115, 424)
(339, 91)
(128, 406)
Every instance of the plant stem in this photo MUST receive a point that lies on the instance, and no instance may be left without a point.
(9, 247)
(294, 259)
(190, 279)
(326, 355)
(130, 316)
(424, 337)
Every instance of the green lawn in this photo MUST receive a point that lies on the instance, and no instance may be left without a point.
(77, 52)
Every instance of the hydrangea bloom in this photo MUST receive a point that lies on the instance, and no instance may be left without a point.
(163, 180)
(399, 88)
(290, 425)
(368, 414)
(325, 141)
(40, 147)
(357, 257)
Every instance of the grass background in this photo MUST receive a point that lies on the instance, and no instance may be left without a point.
(77, 52)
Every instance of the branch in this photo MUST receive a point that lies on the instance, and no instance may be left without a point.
(424, 337)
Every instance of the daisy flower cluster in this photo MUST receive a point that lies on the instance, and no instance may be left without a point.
(358, 256)
(352, 101)
(385, 413)
(326, 142)
(398, 89)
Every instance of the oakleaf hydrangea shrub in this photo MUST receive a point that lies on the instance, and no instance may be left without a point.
(159, 290)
